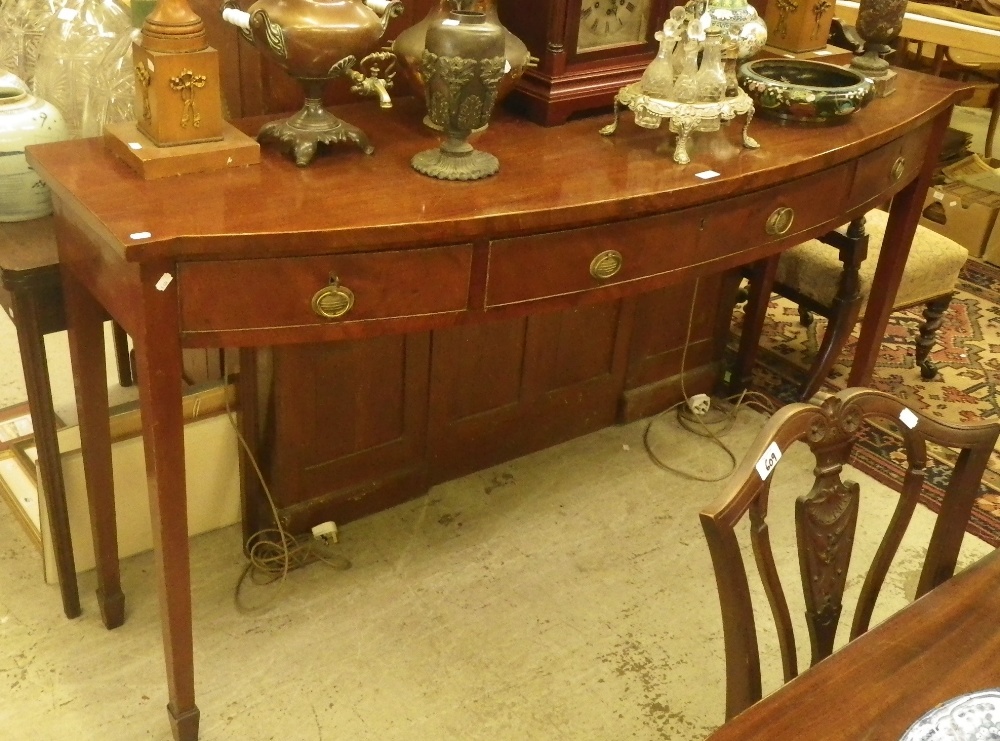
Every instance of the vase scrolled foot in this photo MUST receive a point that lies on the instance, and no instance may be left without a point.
(303, 141)
(445, 165)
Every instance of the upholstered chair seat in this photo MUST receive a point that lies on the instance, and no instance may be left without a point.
(832, 276)
(813, 268)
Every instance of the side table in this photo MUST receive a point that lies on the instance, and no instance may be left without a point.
(31, 294)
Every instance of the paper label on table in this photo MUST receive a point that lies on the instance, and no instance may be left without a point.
(908, 418)
(938, 195)
(824, 53)
(768, 461)
(134, 145)
(139, 235)
(707, 174)
(164, 281)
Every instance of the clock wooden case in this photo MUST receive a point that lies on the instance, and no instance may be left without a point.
(588, 50)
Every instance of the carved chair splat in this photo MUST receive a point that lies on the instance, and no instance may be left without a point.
(825, 523)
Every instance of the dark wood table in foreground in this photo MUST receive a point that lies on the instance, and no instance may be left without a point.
(945, 644)
(235, 258)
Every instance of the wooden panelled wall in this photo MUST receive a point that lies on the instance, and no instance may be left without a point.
(351, 428)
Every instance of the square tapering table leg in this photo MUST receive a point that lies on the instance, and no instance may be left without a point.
(85, 321)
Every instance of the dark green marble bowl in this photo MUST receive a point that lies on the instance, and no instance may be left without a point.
(804, 91)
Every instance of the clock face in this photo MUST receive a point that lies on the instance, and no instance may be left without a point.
(606, 24)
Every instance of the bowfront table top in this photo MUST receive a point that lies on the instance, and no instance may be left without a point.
(355, 246)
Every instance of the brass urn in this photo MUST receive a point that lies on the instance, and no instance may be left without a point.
(409, 47)
(316, 41)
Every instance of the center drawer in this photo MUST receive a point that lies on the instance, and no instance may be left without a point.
(304, 291)
(576, 260)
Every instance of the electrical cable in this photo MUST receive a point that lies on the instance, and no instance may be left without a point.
(273, 552)
(746, 399)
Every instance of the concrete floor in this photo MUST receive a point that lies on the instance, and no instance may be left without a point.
(566, 595)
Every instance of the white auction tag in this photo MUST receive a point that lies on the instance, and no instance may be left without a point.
(164, 281)
(908, 418)
(938, 195)
(139, 235)
(707, 174)
(134, 145)
(768, 461)
(824, 53)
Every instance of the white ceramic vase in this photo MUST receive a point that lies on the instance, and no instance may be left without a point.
(24, 120)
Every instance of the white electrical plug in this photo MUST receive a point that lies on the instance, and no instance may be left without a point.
(699, 404)
(326, 531)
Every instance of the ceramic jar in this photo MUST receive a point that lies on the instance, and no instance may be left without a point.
(738, 20)
(409, 45)
(24, 120)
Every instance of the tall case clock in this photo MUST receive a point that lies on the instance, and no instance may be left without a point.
(588, 50)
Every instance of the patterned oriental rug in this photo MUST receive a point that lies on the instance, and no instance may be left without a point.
(967, 354)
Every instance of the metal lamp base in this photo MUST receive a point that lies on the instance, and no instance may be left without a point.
(463, 163)
(311, 126)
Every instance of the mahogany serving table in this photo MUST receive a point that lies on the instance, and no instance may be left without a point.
(943, 645)
(249, 257)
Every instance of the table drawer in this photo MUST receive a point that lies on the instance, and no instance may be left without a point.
(303, 291)
(890, 167)
(561, 263)
(773, 214)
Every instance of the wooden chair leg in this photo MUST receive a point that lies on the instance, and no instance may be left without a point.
(837, 332)
(122, 356)
(762, 275)
(845, 307)
(933, 318)
(805, 316)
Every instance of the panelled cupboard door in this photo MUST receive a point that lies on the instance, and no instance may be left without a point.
(504, 389)
(349, 422)
(656, 352)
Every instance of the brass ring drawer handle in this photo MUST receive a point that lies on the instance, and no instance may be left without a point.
(779, 222)
(333, 301)
(898, 168)
(606, 265)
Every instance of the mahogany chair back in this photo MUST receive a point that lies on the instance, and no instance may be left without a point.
(825, 523)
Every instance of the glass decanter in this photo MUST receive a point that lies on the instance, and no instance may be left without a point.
(70, 50)
(686, 85)
(658, 79)
(23, 23)
(711, 78)
(110, 94)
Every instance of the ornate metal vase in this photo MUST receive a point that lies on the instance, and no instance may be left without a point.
(409, 46)
(462, 65)
(879, 23)
(316, 41)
